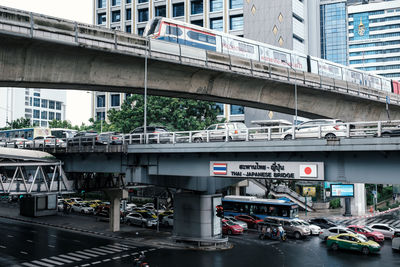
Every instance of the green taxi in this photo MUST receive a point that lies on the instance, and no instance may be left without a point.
(353, 242)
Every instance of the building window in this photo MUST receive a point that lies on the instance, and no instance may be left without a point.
(140, 31)
(51, 115)
(143, 1)
(128, 1)
(101, 3)
(116, 2)
(220, 108)
(58, 116)
(128, 14)
(116, 16)
(196, 7)
(198, 22)
(51, 104)
(217, 24)
(44, 115)
(143, 14)
(215, 5)
(101, 101)
(36, 102)
(115, 100)
(128, 28)
(36, 94)
(100, 116)
(237, 110)
(36, 114)
(43, 123)
(101, 18)
(44, 103)
(235, 4)
(178, 10)
(35, 123)
(236, 22)
(160, 11)
(58, 105)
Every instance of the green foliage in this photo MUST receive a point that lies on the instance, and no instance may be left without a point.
(62, 124)
(18, 124)
(334, 203)
(174, 113)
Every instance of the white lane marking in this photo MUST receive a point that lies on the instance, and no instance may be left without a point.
(115, 250)
(30, 241)
(84, 265)
(94, 252)
(123, 245)
(76, 240)
(116, 258)
(69, 257)
(96, 262)
(53, 235)
(102, 250)
(60, 259)
(42, 263)
(10, 235)
(24, 252)
(29, 264)
(124, 256)
(118, 247)
(152, 249)
(53, 262)
(135, 253)
(51, 246)
(86, 254)
(78, 255)
(2, 246)
(106, 260)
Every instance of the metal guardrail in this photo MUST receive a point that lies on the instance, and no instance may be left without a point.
(30, 25)
(330, 132)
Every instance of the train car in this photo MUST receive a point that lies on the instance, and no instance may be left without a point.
(192, 35)
(395, 87)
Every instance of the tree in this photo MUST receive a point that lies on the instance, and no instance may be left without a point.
(61, 124)
(174, 113)
(19, 123)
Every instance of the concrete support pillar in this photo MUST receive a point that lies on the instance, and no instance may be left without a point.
(195, 216)
(359, 201)
(115, 196)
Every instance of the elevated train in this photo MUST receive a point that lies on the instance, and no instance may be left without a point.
(192, 35)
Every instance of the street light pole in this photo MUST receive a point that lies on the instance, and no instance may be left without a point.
(295, 92)
(145, 93)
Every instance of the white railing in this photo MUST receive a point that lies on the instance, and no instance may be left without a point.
(31, 25)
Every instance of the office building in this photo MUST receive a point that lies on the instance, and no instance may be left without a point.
(39, 105)
(281, 23)
(374, 37)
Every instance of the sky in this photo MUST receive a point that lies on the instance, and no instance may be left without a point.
(78, 109)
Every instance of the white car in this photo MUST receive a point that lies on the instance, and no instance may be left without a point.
(168, 220)
(47, 141)
(236, 221)
(329, 129)
(219, 132)
(325, 233)
(396, 240)
(19, 143)
(82, 208)
(385, 229)
(314, 229)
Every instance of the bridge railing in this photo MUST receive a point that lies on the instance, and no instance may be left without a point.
(31, 25)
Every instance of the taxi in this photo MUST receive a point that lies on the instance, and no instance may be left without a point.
(353, 242)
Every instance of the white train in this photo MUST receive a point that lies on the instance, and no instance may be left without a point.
(192, 35)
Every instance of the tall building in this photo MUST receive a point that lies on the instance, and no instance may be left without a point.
(333, 31)
(39, 105)
(374, 37)
(281, 23)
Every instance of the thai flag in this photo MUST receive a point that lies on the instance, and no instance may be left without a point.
(220, 168)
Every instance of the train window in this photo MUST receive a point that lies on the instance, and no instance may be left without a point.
(201, 37)
(280, 56)
(173, 30)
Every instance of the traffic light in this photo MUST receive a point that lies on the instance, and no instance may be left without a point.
(220, 211)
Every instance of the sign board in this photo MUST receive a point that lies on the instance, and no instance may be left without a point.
(327, 185)
(342, 190)
(287, 170)
(309, 191)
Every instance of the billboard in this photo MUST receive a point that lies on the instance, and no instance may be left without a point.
(342, 190)
(361, 26)
(309, 191)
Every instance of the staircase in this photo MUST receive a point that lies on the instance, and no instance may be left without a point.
(279, 191)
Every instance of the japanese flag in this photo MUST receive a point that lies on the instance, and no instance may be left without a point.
(308, 171)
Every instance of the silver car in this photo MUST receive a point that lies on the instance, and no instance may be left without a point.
(385, 229)
(141, 219)
(329, 129)
(234, 131)
(19, 143)
(336, 230)
(292, 227)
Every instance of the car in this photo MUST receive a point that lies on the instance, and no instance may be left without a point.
(168, 220)
(82, 208)
(84, 138)
(292, 227)
(330, 129)
(385, 229)
(19, 143)
(314, 229)
(396, 240)
(94, 203)
(367, 232)
(336, 230)
(390, 132)
(47, 141)
(110, 138)
(251, 221)
(150, 213)
(155, 134)
(230, 228)
(220, 131)
(76, 199)
(324, 223)
(165, 213)
(102, 211)
(141, 219)
(234, 220)
(352, 242)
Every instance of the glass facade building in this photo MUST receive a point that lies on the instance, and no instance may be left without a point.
(334, 32)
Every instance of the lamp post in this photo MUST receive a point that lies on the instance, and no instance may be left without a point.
(145, 92)
(295, 92)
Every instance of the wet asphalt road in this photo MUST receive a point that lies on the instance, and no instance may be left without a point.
(24, 244)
